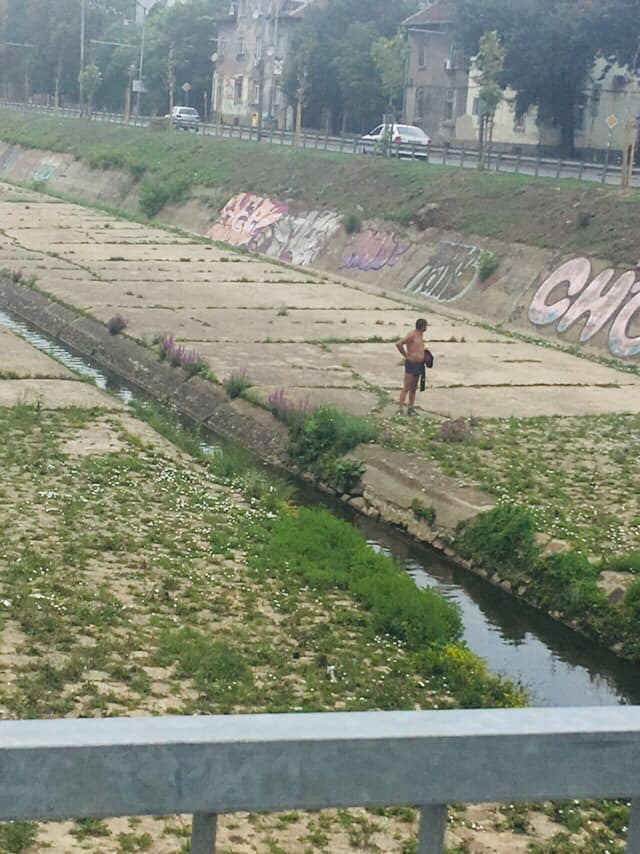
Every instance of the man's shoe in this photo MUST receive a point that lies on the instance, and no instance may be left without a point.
(411, 411)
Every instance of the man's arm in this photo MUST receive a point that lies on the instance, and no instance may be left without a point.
(400, 345)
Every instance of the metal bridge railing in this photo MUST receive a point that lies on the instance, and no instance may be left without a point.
(61, 769)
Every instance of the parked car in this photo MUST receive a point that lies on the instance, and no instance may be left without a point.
(405, 140)
(186, 118)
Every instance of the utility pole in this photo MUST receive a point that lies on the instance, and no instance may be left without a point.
(80, 77)
(141, 66)
(171, 80)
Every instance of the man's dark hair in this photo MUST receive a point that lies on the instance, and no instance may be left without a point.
(421, 324)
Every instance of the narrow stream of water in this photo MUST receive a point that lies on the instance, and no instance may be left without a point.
(556, 665)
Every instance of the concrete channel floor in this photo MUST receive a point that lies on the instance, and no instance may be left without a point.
(320, 338)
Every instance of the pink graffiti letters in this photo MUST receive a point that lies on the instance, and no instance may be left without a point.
(262, 225)
(373, 250)
(605, 299)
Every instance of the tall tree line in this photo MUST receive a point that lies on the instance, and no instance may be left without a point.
(550, 48)
(40, 50)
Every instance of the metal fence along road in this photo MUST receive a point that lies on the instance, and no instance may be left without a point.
(520, 164)
(207, 766)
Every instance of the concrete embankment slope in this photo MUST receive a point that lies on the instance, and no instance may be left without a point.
(565, 295)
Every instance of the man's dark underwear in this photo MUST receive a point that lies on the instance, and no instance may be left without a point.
(414, 369)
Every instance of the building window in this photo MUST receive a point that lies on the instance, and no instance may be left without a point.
(449, 103)
(518, 124)
(421, 52)
(242, 8)
(420, 103)
(255, 92)
(237, 90)
(221, 46)
(258, 50)
(241, 47)
(475, 109)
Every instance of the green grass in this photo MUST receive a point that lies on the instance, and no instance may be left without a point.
(171, 166)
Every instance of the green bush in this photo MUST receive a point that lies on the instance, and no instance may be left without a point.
(629, 562)
(237, 384)
(154, 196)
(16, 836)
(328, 433)
(502, 539)
(421, 511)
(346, 473)
(351, 223)
(327, 553)
(457, 670)
(632, 601)
(487, 265)
(567, 582)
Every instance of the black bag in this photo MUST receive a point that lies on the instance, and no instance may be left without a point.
(428, 358)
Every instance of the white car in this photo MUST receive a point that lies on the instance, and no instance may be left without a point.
(406, 140)
(186, 118)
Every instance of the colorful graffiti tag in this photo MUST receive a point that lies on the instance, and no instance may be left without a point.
(567, 297)
(262, 225)
(451, 271)
(244, 217)
(373, 250)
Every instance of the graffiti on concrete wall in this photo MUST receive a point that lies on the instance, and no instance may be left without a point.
(610, 298)
(261, 225)
(43, 172)
(373, 250)
(451, 271)
(244, 217)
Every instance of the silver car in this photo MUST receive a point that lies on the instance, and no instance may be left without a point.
(403, 140)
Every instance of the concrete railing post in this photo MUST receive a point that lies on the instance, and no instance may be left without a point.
(633, 838)
(203, 833)
(433, 824)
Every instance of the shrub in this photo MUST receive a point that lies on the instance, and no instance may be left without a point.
(629, 562)
(16, 836)
(632, 600)
(488, 263)
(346, 473)
(458, 430)
(328, 433)
(351, 223)
(459, 671)
(237, 383)
(583, 219)
(117, 324)
(153, 196)
(327, 553)
(287, 410)
(567, 582)
(193, 363)
(179, 357)
(502, 538)
(421, 511)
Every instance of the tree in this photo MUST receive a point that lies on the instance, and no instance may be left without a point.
(89, 79)
(390, 58)
(490, 64)
(331, 57)
(550, 47)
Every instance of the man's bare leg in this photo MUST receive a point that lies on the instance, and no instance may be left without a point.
(413, 387)
(406, 389)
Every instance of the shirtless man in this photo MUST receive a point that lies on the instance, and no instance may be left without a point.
(412, 349)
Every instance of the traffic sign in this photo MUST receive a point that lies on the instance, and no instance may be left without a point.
(186, 87)
(612, 121)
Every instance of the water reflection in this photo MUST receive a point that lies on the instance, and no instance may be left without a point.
(557, 666)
